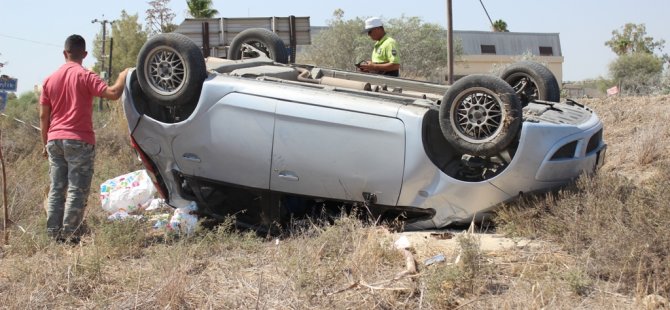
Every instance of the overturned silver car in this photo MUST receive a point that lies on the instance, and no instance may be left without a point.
(269, 141)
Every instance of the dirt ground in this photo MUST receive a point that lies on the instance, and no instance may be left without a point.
(432, 244)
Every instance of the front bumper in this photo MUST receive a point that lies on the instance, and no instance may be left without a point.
(548, 156)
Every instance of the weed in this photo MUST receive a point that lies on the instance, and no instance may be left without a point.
(443, 287)
(119, 239)
(614, 224)
(649, 150)
(580, 283)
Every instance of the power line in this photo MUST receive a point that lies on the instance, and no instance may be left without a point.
(487, 12)
(31, 41)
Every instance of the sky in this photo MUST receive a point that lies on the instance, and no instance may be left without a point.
(32, 32)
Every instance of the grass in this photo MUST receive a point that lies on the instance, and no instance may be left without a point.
(601, 243)
(617, 230)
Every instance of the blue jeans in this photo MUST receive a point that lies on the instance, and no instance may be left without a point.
(71, 172)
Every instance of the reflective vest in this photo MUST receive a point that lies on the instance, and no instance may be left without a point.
(385, 51)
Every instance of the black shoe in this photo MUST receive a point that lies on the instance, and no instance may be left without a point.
(74, 240)
(54, 235)
(68, 241)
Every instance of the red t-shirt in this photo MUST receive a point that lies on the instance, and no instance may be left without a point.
(69, 92)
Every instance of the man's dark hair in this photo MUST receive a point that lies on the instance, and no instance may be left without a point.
(75, 46)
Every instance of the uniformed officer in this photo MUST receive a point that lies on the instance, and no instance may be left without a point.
(385, 56)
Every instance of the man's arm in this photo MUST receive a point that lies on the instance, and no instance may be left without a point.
(380, 67)
(45, 121)
(115, 91)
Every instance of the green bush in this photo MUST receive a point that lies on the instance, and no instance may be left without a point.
(638, 74)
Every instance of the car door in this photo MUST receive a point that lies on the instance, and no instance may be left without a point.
(334, 153)
(231, 142)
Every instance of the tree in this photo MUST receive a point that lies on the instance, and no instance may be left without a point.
(2, 64)
(637, 70)
(500, 26)
(665, 82)
(159, 17)
(128, 40)
(638, 73)
(423, 46)
(201, 8)
(340, 45)
(633, 39)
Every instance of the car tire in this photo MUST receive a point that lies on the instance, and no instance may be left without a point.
(262, 39)
(171, 70)
(532, 81)
(480, 115)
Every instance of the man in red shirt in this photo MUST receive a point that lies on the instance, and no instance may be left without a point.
(66, 122)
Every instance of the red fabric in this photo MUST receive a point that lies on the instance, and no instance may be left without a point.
(69, 92)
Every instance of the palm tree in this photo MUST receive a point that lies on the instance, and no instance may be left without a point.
(201, 8)
(500, 26)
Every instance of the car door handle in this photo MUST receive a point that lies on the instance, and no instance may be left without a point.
(191, 157)
(288, 175)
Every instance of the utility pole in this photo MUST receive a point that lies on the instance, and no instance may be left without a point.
(450, 43)
(109, 67)
(104, 23)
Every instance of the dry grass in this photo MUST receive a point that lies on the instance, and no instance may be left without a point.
(615, 223)
(603, 243)
(637, 131)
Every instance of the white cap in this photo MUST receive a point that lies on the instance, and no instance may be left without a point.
(372, 22)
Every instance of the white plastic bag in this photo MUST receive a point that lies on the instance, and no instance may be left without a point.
(183, 220)
(155, 204)
(129, 192)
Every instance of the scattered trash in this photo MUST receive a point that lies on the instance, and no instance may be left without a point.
(160, 220)
(435, 259)
(458, 258)
(129, 192)
(442, 235)
(183, 220)
(402, 243)
(155, 204)
(122, 215)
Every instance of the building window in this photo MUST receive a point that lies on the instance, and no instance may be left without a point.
(546, 51)
(488, 49)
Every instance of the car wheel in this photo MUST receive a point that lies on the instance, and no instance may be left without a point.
(262, 40)
(171, 70)
(480, 115)
(532, 81)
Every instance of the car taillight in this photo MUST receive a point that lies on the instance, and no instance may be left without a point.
(151, 169)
